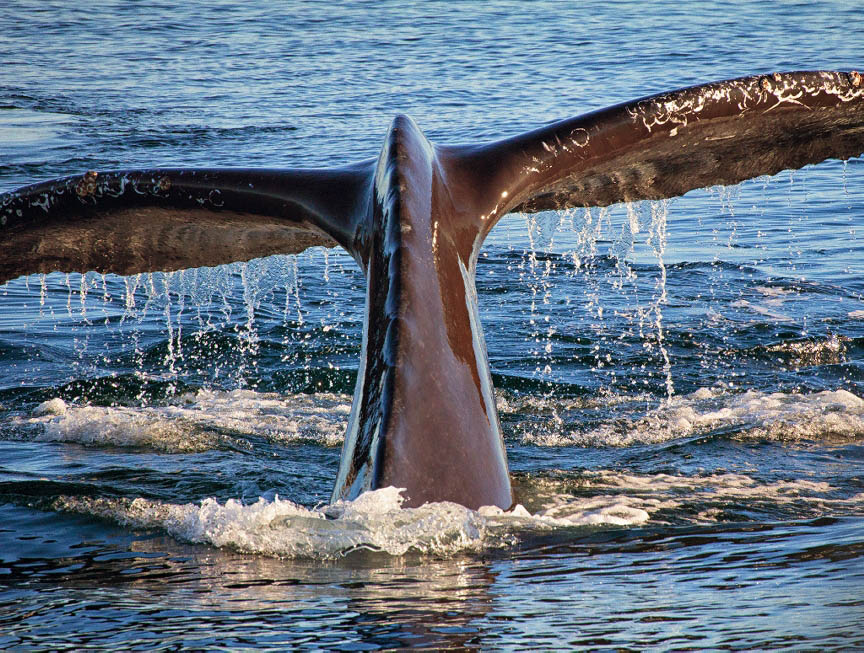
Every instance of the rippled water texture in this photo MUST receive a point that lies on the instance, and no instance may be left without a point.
(680, 384)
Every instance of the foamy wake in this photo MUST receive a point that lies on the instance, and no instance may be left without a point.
(705, 497)
(208, 419)
(196, 421)
(834, 414)
(377, 521)
(374, 521)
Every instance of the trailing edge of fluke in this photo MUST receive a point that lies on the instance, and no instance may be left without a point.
(423, 416)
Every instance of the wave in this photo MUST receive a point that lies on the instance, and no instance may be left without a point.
(193, 422)
(778, 416)
(801, 352)
(376, 521)
(208, 419)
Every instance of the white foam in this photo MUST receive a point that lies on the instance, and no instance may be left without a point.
(374, 521)
(831, 349)
(766, 309)
(671, 492)
(282, 528)
(195, 422)
(319, 417)
(565, 511)
(700, 498)
(831, 414)
(208, 419)
(773, 291)
(727, 485)
(51, 407)
(377, 521)
(127, 427)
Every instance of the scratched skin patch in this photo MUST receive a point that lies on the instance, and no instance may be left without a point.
(665, 145)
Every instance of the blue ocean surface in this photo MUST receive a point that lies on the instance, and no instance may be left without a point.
(680, 383)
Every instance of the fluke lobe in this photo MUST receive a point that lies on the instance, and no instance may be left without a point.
(423, 416)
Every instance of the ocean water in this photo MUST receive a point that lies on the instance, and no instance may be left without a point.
(680, 384)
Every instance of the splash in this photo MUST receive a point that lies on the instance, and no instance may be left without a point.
(568, 243)
(197, 421)
(205, 326)
(375, 521)
(752, 415)
(209, 419)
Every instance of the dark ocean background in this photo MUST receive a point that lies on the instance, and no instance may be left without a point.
(680, 384)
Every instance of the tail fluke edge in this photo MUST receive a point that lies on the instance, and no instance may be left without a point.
(668, 144)
(127, 222)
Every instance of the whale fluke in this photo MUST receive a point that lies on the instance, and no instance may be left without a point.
(665, 145)
(133, 221)
(423, 416)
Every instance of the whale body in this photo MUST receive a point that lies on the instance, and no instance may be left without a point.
(423, 416)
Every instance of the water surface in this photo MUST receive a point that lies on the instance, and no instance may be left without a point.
(681, 384)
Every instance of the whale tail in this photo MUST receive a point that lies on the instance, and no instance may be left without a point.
(424, 416)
